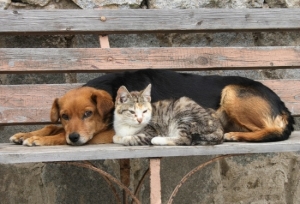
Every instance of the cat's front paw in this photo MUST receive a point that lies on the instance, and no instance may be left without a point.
(127, 141)
(117, 139)
(159, 141)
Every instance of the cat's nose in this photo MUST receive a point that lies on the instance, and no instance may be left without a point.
(139, 120)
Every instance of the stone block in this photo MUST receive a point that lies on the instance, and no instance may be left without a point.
(108, 4)
(4, 4)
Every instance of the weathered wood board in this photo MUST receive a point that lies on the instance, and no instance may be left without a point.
(158, 21)
(29, 103)
(18, 60)
(11, 153)
(32, 103)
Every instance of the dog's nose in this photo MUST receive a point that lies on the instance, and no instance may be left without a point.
(74, 137)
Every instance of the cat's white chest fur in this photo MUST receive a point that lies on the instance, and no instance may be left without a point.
(126, 130)
(123, 131)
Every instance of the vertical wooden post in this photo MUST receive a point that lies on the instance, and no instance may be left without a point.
(155, 183)
(104, 42)
(125, 176)
(124, 163)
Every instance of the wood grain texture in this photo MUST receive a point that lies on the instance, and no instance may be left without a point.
(288, 91)
(116, 59)
(11, 153)
(29, 103)
(32, 103)
(155, 181)
(147, 21)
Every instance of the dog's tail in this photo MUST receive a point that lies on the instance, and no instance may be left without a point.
(285, 123)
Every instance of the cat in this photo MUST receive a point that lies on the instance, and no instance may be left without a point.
(167, 122)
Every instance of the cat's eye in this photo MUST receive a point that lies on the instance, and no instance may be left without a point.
(132, 112)
(145, 111)
(87, 114)
(65, 116)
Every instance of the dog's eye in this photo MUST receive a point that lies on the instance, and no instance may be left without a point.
(65, 116)
(87, 114)
(145, 111)
(132, 112)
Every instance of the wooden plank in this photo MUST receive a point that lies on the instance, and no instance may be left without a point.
(15, 60)
(288, 91)
(11, 153)
(29, 103)
(104, 42)
(158, 20)
(155, 181)
(32, 103)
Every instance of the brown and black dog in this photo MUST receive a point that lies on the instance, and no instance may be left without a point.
(248, 110)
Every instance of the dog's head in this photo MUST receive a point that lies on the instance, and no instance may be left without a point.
(83, 112)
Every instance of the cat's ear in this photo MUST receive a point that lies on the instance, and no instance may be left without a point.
(147, 93)
(122, 95)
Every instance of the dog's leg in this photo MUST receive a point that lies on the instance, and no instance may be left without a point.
(103, 137)
(266, 134)
(58, 139)
(271, 130)
(250, 116)
(48, 130)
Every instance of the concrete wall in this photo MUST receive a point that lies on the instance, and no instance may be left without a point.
(256, 179)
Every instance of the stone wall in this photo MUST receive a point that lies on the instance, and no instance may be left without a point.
(257, 179)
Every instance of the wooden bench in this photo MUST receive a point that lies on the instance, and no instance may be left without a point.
(30, 104)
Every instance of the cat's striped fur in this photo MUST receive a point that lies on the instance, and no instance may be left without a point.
(166, 122)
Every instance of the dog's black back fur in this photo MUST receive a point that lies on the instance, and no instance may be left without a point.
(168, 84)
(205, 90)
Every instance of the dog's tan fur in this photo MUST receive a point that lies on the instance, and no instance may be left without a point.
(94, 129)
(247, 118)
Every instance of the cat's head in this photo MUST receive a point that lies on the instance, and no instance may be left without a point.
(134, 108)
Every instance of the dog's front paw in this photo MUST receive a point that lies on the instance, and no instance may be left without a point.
(230, 136)
(19, 137)
(33, 141)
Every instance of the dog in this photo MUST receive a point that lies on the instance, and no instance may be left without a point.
(248, 110)
(85, 114)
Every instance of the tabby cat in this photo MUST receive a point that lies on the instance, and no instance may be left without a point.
(166, 122)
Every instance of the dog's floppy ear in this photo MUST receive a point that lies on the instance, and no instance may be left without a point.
(54, 115)
(104, 102)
